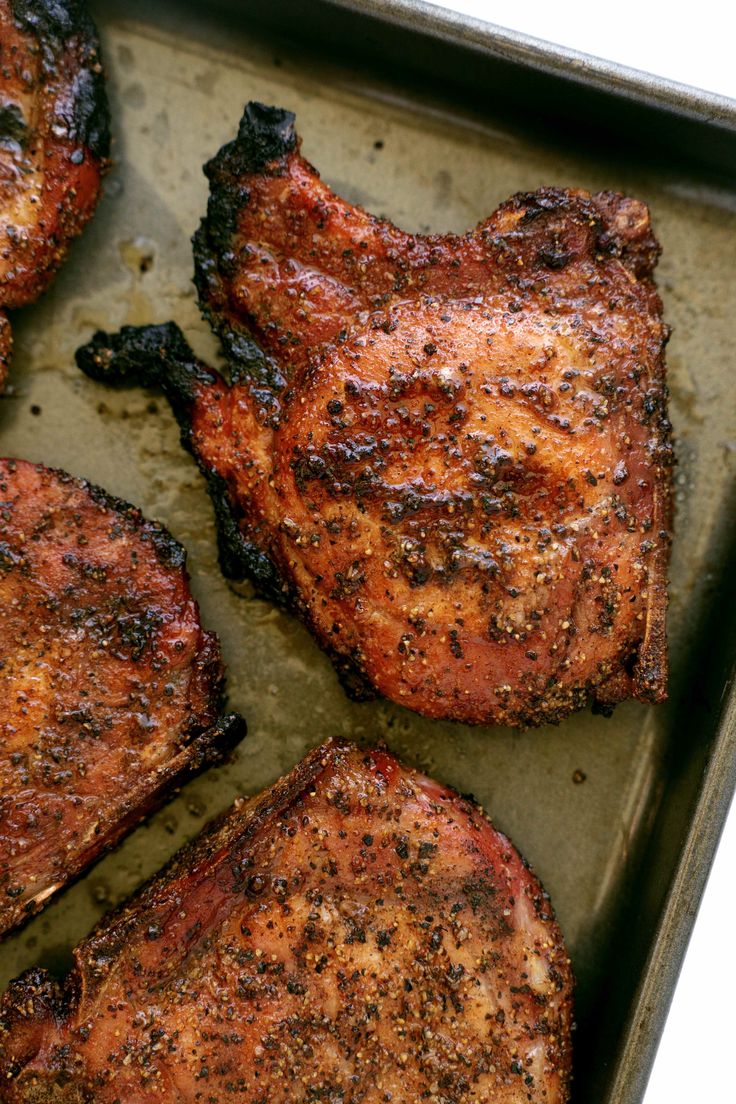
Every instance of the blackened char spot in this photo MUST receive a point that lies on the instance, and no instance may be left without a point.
(352, 678)
(65, 25)
(13, 126)
(168, 550)
(246, 359)
(153, 356)
(265, 133)
(52, 22)
(555, 256)
(239, 557)
(91, 119)
(159, 356)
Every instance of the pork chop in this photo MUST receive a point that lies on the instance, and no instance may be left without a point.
(450, 455)
(358, 934)
(54, 143)
(110, 690)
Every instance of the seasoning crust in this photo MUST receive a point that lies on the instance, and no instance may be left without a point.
(358, 933)
(54, 143)
(450, 455)
(111, 690)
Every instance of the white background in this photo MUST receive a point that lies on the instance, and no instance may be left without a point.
(691, 43)
(696, 45)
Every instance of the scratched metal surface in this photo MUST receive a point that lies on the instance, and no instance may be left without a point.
(178, 86)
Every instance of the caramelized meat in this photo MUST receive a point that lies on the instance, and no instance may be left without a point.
(449, 454)
(53, 143)
(358, 933)
(109, 688)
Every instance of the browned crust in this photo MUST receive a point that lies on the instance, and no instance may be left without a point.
(44, 1055)
(557, 279)
(82, 631)
(54, 141)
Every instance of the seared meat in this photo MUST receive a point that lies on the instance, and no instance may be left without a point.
(358, 933)
(54, 143)
(449, 454)
(109, 688)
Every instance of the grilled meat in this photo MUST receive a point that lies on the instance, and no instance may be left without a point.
(109, 688)
(449, 454)
(358, 933)
(54, 143)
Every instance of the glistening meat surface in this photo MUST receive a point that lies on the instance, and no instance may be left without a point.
(357, 934)
(54, 143)
(450, 455)
(109, 688)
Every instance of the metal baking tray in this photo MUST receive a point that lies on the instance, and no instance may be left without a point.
(431, 119)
